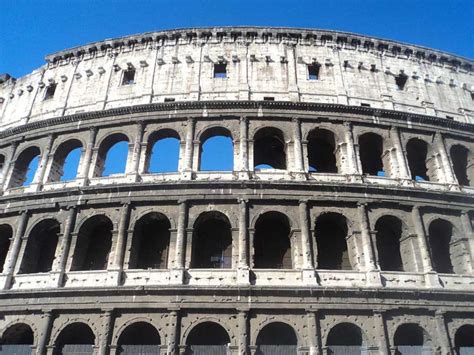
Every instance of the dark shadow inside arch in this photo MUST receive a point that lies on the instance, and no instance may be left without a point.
(94, 241)
(40, 247)
(331, 233)
(112, 155)
(163, 152)
(462, 164)
(66, 161)
(217, 150)
(389, 233)
(25, 167)
(6, 233)
(139, 338)
(272, 246)
(17, 334)
(322, 151)
(208, 338)
(371, 151)
(150, 244)
(409, 334)
(76, 338)
(464, 340)
(277, 338)
(212, 241)
(417, 151)
(269, 149)
(439, 236)
(345, 338)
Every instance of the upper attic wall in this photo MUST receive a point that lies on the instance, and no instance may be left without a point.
(260, 64)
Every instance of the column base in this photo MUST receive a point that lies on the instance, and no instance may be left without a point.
(309, 277)
(114, 277)
(133, 177)
(298, 175)
(373, 278)
(176, 276)
(406, 182)
(5, 281)
(243, 276)
(355, 178)
(432, 280)
(57, 278)
(244, 175)
(186, 175)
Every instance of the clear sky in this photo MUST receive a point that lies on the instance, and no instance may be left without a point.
(30, 29)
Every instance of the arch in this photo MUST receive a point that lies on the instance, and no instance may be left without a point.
(212, 241)
(409, 334)
(269, 149)
(25, 168)
(17, 334)
(463, 339)
(322, 151)
(112, 155)
(77, 337)
(66, 161)
(272, 246)
(345, 338)
(440, 234)
(208, 333)
(330, 233)
(150, 243)
(277, 338)
(388, 241)
(216, 150)
(6, 233)
(162, 154)
(139, 337)
(371, 154)
(93, 244)
(463, 164)
(417, 155)
(40, 247)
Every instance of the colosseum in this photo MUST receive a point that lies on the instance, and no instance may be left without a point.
(342, 223)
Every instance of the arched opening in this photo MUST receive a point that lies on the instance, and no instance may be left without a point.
(371, 151)
(389, 233)
(417, 152)
(112, 155)
(94, 241)
(322, 151)
(345, 339)
(272, 246)
(269, 150)
(2, 165)
(217, 150)
(40, 247)
(6, 234)
(440, 234)
(139, 338)
(277, 338)
(464, 340)
(150, 244)
(409, 339)
(25, 167)
(66, 161)
(207, 338)
(163, 152)
(17, 339)
(331, 233)
(76, 338)
(212, 242)
(463, 164)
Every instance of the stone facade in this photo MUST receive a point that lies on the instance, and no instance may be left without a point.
(362, 228)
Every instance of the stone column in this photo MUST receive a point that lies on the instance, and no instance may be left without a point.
(243, 332)
(180, 250)
(365, 235)
(87, 159)
(244, 158)
(119, 252)
(137, 147)
(173, 340)
(189, 148)
(402, 164)
(12, 256)
(309, 276)
(353, 165)
(298, 152)
(61, 261)
(8, 168)
(423, 245)
(467, 229)
(39, 176)
(314, 332)
(243, 264)
(381, 329)
(442, 333)
(45, 332)
(106, 332)
(447, 166)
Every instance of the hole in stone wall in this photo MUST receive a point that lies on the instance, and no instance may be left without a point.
(6, 233)
(330, 233)
(439, 235)
(371, 150)
(313, 71)
(220, 70)
(20, 333)
(25, 167)
(321, 151)
(462, 163)
(163, 152)
(408, 334)
(269, 149)
(2, 163)
(150, 245)
(139, 333)
(268, 98)
(128, 77)
(401, 80)
(389, 233)
(66, 161)
(208, 333)
(112, 155)
(417, 151)
(40, 247)
(272, 247)
(170, 99)
(463, 340)
(50, 90)
(217, 151)
(94, 241)
(345, 334)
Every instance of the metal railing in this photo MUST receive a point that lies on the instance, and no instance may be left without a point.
(15, 349)
(276, 350)
(75, 349)
(206, 350)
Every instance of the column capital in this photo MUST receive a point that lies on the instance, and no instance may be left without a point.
(348, 124)
(93, 130)
(243, 119)
(182, 201)
(303, 201)
(242, 201)
(296, 119)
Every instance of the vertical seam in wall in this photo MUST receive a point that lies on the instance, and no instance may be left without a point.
(34, 98)
(153, 75)
(108, 83)
(69, 89)
(199, 72)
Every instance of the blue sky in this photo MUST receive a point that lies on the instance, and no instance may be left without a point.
(30, 29)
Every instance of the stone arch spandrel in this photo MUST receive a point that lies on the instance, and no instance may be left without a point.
(228, 322)
(121, 325)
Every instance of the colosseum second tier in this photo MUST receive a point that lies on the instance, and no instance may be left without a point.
(244, 190)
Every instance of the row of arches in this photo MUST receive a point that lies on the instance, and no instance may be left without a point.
(270, 151)
(272, 244)
(212, 338)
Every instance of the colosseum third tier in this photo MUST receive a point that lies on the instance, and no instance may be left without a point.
(244, 190)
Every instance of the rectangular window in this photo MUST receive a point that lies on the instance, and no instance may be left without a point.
(50, 92)
(365, 105)
(128, 77)
(220, 70)
(169, 99)
(313, 71)
(401, 80)
(450, 117)
(269, 98)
